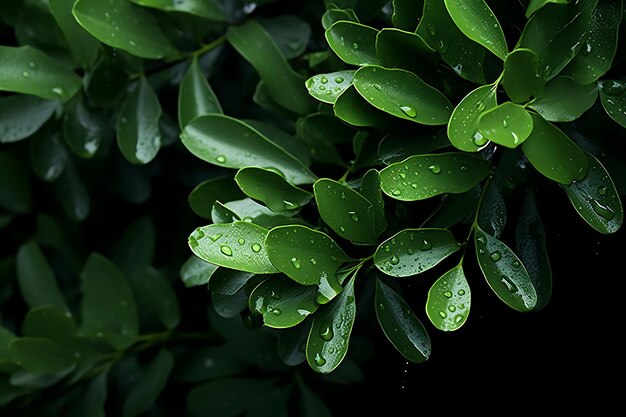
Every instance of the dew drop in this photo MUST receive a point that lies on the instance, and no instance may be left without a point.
(394, 260)
(458, 318)
(275, 295)
(461, 292)
(413, 185)
(431, 29)
(326, 332)
(255, 247)
(378, 87)
(602, 210)
(353, 216)
(447, 294)
(396, 192)
(324, 80)
(409, 111)
(289, 205)
(602, 190)
(32, 65)
(505, 123)
(276, 311)
(319, 360)
(451, 309)
(443, 314)
(241, 241)
(295, 262)
(516, 264)
(586, 50)
(510, 285)
(339, 80)
(226, 250)
(481, 106)
(213, 238)
(193, 243)
(355, 46)
(342, 229)
(435, 168)
(221, 159)
(495, 256)
(479, 139)
(387, 248)
(425, 245)
(25, 74)
(313, 261)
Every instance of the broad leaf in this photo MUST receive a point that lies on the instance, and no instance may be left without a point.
(492, 216)
(272, 189)
(40, 356)
(535, 5)
(201, 8)
(399, 49)
(47, 156)
(83, 46)
(449, 300)
(463, 127)
(22, 115)
(328, 87)
(149, 384)
(291, 34)
(564, 100)
(353, 109)
(353, 42)
(508, 124)
(292, 344)
(406, 13)
(83, 128)
(50, 323)
(520, 78)
(195, 96)
(400, 144)
(196, 271)
(205, 194)
(155, 296)
(613, 96)
(370, 189)
(333, 16)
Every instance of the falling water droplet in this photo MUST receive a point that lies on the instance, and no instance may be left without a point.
(495, 256)
(435, 168)
(226, 250)
(255, 247)
(295, 262)
(409, 111)
(221, 159)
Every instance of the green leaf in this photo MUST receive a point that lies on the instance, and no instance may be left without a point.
(308, 257)
(596, 199)
(229, 306)
(454, 209)
(449, 300)
(508, 124)
(250, 211)
(195, 96)
(352, 108)
(138, 134)
(556, 34)
(225, 397)
(36, 280)
(255, 44)
(15, 190)
(370, 189)
(149, 384)
(402, 94)
(402, 143)
(50, 323)
(463, 55)
(329, 337)
(72, 194)
(535, 5)
(413, 251)
(135, 249)
(272, 189)
(83, 128)
(423, 176)
(290, 33)
(400, 325)
(155, 296)
(108, 308)
(228, 142)
(83, 46)
(564, 100)
(292, 344)
(323, 127)
(239, 245)
(353, 42)
(406, 14)
(40, 356)
(504, 272)
(476, 20)
(282, 302)
(399, 49)
(613, 97)
(207, 362)
(332, 16)
(195, 271)
(205, 194)
(123, 25)
(92, 402)
(347, 212)
(47, 156)
(463, 127)
(530, 238)
(107, 80)
(229, 281)
(553, 154)
(520, 79)
(328, 87)
(21, 116)
(201, 8)
(492, 216)
(29, 71)
(597, 53)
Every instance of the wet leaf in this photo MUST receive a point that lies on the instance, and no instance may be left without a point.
(520, 79)
(83, 46)
(353, 42)
(508, 124)
(229, 281)
(328, 87)
(47, 156)
(21, 116)
(613, 97)
(271, 189)
(463, 127)
(205, 194)
(406, 14)
(83, 128)
(492, 216)
(407, 50)
(398, 145)
(290, 33)
(195, 96)
(449, 300)
(353, 109)
(332, 16)
(564, 100)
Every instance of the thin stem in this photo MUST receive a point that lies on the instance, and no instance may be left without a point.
(206, 48)
(481, 200)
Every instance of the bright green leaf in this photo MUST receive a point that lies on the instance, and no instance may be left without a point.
(449, 300)
(328, 87)
(22, 115)
(272, 189)
(201, 8)
(564, 100)
(352, 108)
(353, 42)
(613, 97)
(508, 124)
(195, 271)
(195, 96)
(41, 356)
(463, 127)
(520, 79)
(149, 384)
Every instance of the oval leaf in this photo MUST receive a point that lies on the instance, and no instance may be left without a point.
(83, 128)
(613, 96)
(463, 127)
(449, 300)
(239, 245)
(520, 79)
(508, 124)
(370, 189)
(205, 194)
(40, 356)
(83, 46)
(423, 176)
(535, 5)
(196, 271)
(353, 109)
(400, 325)
(504, 272)
(327, 87)
(47, 156)
(149, 384)
(564, 100)
(22, 115)
(195, 96)
(201, 8)
(407, 50)
(413, 251)
(271, 189)
(353, 42)
(332, 16)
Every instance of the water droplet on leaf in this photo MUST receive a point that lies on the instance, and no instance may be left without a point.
(394, 260)
(409, 111)
(255, 247)
(319, 360)
(221, 159)
(295, 262)
(496, 256)
(435, 168)
(226, 250)
(602, 210)
(447, 294)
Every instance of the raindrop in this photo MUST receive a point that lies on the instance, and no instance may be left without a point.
(435, 168)
(353, 216)
(255, 247)
(510, 285)
(339, 80)
(464, 168)
(402, 175)
(396, 192)
(413, 185)
(289, 205)
(586, 50)
(458, 318)
(276, 311)
(602, 210)
(443, 314)
(355, 46)
(226, 250)
(602, 190)
(447, 294)
(516, 264)
(342, 229)
(505, 123)
(25, 74)
(479, 139)
(408, 110)
(616, 88)
(431, 29)
(451, 309)
(213, 238)
(313, 261)
(394, 260)
(193, 243)
(221, 159)
(324, 80)
(481, 239)
(326, 332)
(295, 262)
(275, 295)
(32, 65)
(378, 87)
(461, 292)
(319, 360)
(241, 241)
(425, 245)
(387, 248)
(496, 256)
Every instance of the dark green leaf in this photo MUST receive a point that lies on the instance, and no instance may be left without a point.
(400, 325)
(29, 71)
(228, 142)
(195, 271)
(290, 33)
(406, 14)
(347, 212)
(520, 79)
(251, 211)
(154, 295)
(407, 50)
(83, 46)
(424, 176)
(292, 344)
(91, 403)
(47, 156)
(613, 96)
(72, 194)
(123, 25)
(323, 127)
(353, 42)
(21, 116)
(463, 127)
(15, 190)
(328, 87)
(312, 404)
(50, 323)
(239, 245)
(402, 94)
(202, 8)
(83, 128)
(370, 189)
(329, 337)
(413, 251)
(564, 100)
(504, 272)
(229, 281)
(108, 308)
(553, 154)
(195, 96)
(229, 306)
(538, 4)
(332, 16)
(202, 198)
(138, 134)
(352, 108)
(283, 302)
(508, 124)
(108, 80)
(492, 216)
(476, 20)
(454, 209)
(596, 199)
(149, 384)
(40, 356)
(272, 189)
(225, 397)
(449, 300)
(401, 144)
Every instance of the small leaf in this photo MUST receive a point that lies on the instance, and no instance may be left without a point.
(50, 323)
(476, 20)
(530, 238)
(83, 46)
(138, 134)
(121, 24)
(282, 302)
(108, 308)
(205, 194)
(463, 127)
(40, 356)
(239, 245)
(504, 272)
(413, 251)
(402, 94)
(323, 128)
(370, 189)
(520, 79)
(564, 100)
(29, 71)
(347, 212)
(353, 42)
(195, 96)
(47, 156)
(196, 271)
(328, 87)
(308, 257)
(406, 14)
(149, 384)
(613, 96)
(229, 306)
(596, 199)
(554, 154)
(332, 16)
(538, 4)
(508, 124)
(353, 109)
(83, 128)
(271, 189)
(292, 344)
(228, 142)
(449, 300)
(407, 50)
(22, 115)
(255, 44)
(423, 176)
(202, 8)
(329, 337)
(400, 325)
(154, 295)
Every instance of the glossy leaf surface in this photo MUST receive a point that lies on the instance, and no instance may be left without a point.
(449, 300)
